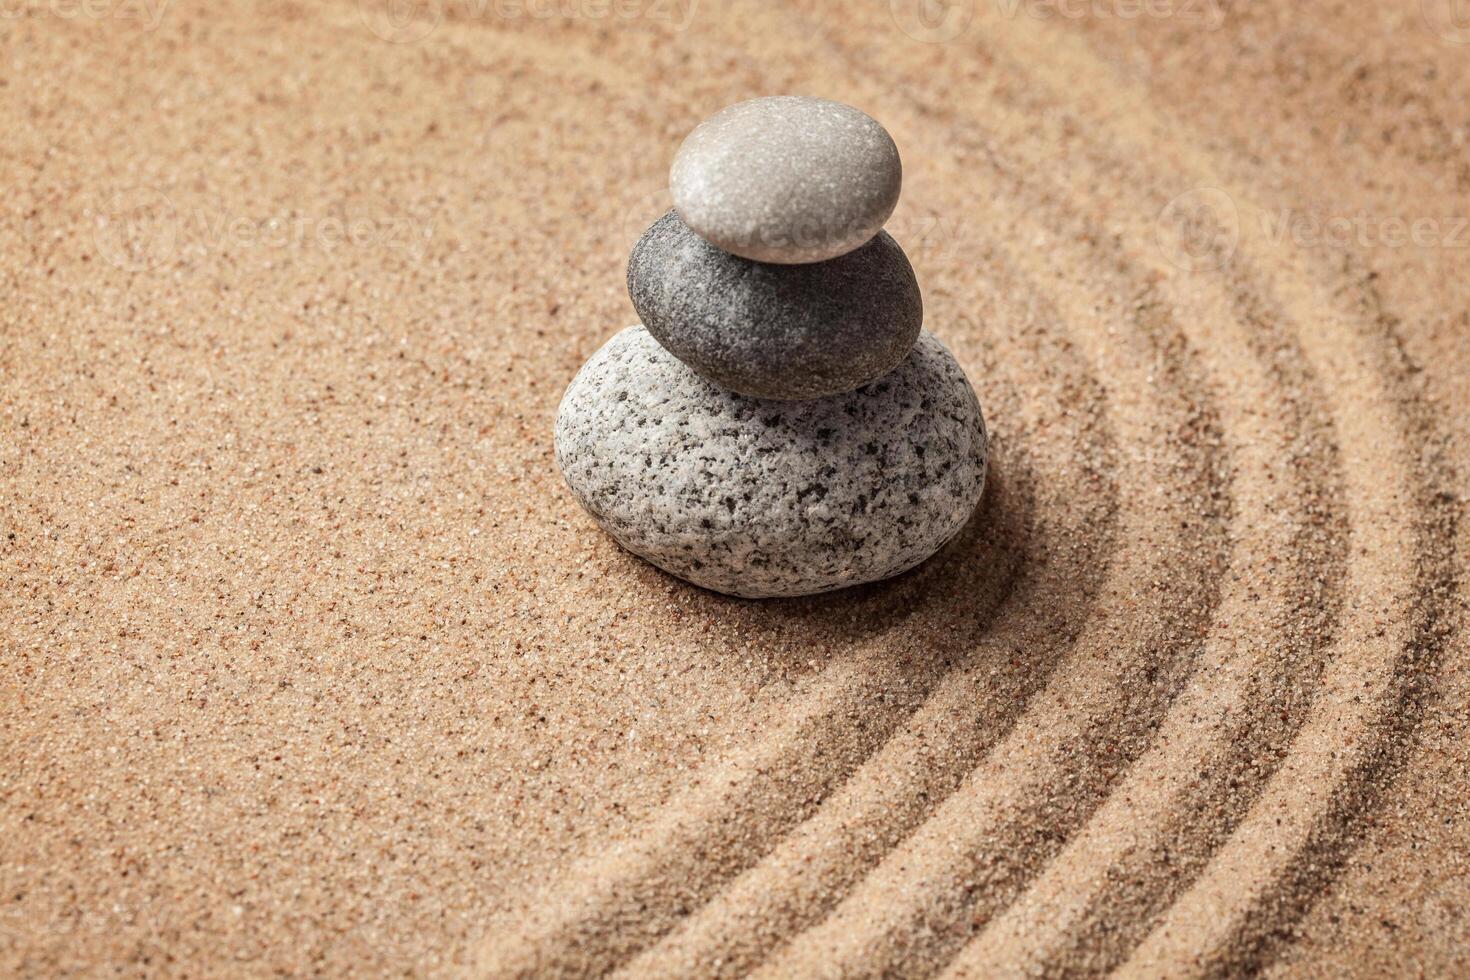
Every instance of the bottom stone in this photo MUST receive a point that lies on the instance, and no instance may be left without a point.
(761, 498)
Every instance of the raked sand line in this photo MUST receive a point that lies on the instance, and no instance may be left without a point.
(1402, 517)
(891, 793)
(1262, 662)
(1264, 652)
(1228, 917)
(1090, 871)
(1216, 747)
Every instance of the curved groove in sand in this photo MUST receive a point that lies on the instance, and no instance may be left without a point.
(1179, 801)
(1115, 879)
(1233, 912)
(1267, 647)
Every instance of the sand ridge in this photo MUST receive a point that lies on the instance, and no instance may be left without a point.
(313, 665)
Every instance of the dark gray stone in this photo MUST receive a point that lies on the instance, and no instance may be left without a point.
(776, 331)
(772, 498)
(787, 179)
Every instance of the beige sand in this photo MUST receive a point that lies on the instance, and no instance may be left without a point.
(312, 664)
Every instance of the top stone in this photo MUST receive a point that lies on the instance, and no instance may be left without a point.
(787, 179)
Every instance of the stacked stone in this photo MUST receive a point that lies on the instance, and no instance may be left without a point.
(779, 424)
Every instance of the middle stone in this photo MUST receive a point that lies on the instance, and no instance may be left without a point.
(776, 331)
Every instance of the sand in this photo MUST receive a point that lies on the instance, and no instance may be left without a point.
(311, 663)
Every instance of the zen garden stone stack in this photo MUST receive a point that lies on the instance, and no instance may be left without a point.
(780, 424)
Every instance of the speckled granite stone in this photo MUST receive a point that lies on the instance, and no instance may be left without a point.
(787, 179)
(772, 498)
(776, 331)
